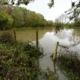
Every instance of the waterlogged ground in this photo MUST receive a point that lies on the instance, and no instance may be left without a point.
(67, 38)
(48, 43)
(47, 40)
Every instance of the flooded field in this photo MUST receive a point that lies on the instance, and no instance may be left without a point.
(47, 41)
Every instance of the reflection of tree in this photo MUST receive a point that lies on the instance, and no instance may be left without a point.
(58, 26)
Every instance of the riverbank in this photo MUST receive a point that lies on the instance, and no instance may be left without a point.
(18, 60)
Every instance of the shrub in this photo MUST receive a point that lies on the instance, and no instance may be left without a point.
(71, 65)
(18, 62)
(7, 37)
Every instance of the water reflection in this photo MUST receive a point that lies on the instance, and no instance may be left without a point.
(48, 43)
(49, 40)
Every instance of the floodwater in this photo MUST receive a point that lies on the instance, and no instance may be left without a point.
(48, 43)
(48, 40)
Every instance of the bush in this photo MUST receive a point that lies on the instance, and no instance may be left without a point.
(71, 65)
(6, 20)
(6, 37)
(18, 62)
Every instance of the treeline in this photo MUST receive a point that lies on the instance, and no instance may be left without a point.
(20, 17)
(74, 25)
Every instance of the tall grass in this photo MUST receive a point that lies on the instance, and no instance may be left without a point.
(70, 65)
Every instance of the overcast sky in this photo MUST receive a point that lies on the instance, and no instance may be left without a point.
(41, 6)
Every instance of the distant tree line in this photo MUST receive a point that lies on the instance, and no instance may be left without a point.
(20, 17)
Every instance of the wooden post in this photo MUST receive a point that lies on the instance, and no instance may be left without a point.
(14, 32)
(55, 57)
(37, 41)
(55, 54)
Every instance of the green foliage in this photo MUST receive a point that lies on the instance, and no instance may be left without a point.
(51, 75)
(77, 23)
(20, 17)
(74, 25)
(5, 20)
(7, 38)
(23, 17)
(3, 1)
(58, 26)
(71, 65)
(68, 25)
(18, 62)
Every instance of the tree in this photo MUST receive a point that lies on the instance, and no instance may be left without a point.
(75, 10)
(3, 2)
(17, 14)
(26, 2)
(5, 20)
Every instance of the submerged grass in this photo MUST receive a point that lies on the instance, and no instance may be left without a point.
(18, 60)
(70, 65)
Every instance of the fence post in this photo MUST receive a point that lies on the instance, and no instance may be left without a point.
(37, 41)
(55, 56)
(14, 32)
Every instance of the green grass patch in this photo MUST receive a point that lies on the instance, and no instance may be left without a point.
(19, 61)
